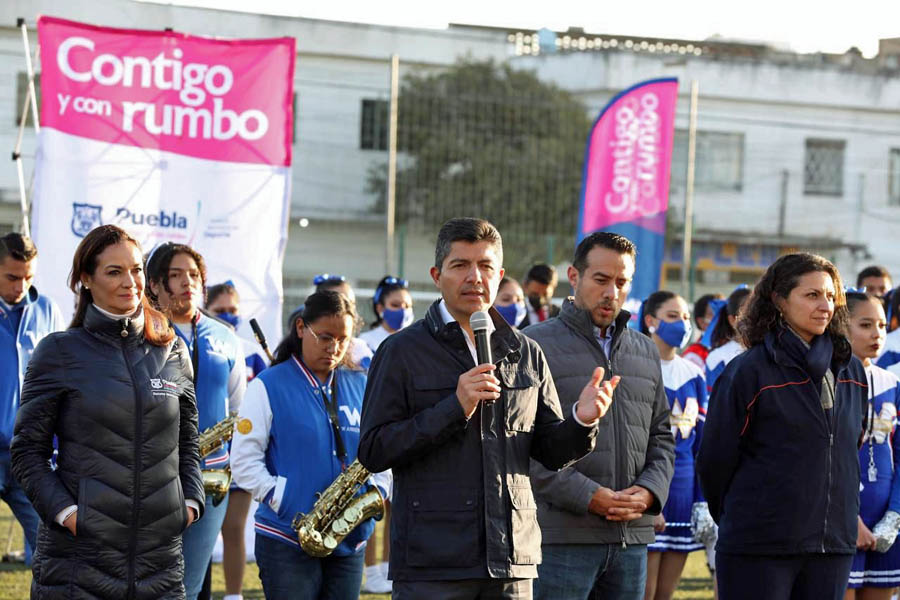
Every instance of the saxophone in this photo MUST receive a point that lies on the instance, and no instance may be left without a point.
(216, 481)
(337, 512)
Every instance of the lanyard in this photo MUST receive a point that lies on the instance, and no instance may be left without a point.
(331, 407)
(193, 345)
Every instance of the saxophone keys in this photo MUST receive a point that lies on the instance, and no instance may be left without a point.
(330, 543)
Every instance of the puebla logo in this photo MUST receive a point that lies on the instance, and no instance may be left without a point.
(85, 217)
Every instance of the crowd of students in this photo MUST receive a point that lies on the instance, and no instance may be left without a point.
(151, 359)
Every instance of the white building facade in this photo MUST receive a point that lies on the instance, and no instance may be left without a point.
(793, 151)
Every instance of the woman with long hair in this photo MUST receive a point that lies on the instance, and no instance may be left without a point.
(778, 460)
(176, 283)
(115, 390)
(298, 429)
(876, 566)
(665, 318)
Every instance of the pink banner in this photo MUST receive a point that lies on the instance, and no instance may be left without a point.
(627, 162)
(224, 100)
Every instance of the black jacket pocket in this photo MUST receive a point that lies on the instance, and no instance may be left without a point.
(444, 528)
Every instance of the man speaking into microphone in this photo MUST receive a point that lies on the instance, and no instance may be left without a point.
(459, 433)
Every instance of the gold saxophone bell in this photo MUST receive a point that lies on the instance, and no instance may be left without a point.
(337, 512)
(216, 481)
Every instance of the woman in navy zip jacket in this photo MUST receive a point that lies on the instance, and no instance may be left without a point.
(286, 450)
(778, 461)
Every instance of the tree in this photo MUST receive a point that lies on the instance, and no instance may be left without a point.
(483, 139)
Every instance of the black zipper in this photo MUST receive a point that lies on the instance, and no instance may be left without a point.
(620, 468)
(138, 434)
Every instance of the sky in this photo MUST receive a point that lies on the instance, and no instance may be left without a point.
(801, 25)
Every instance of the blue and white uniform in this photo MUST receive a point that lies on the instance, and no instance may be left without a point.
(220, 375)
(879, 488)
(284, 450)
(22, 326)
(686, 391)
(718, 359)
(219, 382)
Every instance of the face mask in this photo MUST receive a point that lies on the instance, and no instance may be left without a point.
(231, 319)
(536, 302)
(399, 318)
(512, 313)
(676, 334)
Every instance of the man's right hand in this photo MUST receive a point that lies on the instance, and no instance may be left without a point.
(626, 507)
(475, 385)
(71, 522)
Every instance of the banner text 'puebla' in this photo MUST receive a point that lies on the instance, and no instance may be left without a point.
(161, 89)
(625, 186)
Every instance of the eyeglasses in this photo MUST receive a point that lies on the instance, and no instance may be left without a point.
(327, 278)
(326, 341)
(388, 281)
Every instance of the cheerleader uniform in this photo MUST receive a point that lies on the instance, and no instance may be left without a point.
(879, 489)
(718, 359)
(686, 392)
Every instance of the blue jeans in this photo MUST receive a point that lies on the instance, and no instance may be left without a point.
(588, 571)
(287, 571)
(198, 542)
(13, 494)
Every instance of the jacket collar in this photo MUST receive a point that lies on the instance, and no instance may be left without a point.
(112, 330)
(579, 319)
(503, 340)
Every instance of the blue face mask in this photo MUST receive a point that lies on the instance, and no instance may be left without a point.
(513, 313)
(398, 318)
(231, 319)
(676, 334)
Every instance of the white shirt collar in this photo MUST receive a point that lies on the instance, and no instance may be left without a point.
(448, 318)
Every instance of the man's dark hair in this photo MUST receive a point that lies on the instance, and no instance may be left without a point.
(465, 229)
(612, 241)
(872, 271)
(542, 273)
(18, 246)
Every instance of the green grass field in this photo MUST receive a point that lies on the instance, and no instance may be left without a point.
(15, 579)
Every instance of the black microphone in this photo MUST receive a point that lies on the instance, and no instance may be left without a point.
(260, 338)
(479, 322)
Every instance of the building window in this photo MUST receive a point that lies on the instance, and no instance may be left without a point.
(894, 177)
(823, 167)
(374, 125)
(719, 163)
(22, 92)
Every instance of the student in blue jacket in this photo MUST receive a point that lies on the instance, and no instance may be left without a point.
(665, 318)
(176, 282)
(778, 461)
(876, 566)
(286, 450)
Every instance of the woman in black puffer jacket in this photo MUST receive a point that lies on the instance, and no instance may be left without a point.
(115, 389)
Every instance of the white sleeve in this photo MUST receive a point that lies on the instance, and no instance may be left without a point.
(251, 439)
(62, 515)
(237, 379)
(384, 481)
